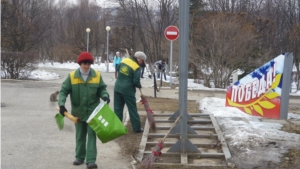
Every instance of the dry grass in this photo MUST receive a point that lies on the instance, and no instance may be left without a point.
(291, 159)
(165, 84)
(130, 142)
(291, 128)
(167, 104)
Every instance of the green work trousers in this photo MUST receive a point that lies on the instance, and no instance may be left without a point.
(119, 101)
(85, 150)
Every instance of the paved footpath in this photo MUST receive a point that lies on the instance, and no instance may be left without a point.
(30, 138)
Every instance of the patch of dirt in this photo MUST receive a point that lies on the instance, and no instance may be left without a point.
(291, 127)
(165, 84)
(189, 167)
(130, 142)
(295, 110)
(291, 159)
(167, 104)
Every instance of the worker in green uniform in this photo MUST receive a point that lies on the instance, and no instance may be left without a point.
(128, 80)
(86, 87)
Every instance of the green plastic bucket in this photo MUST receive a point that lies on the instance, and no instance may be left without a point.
(106, 123)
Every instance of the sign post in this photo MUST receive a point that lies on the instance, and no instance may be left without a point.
(183, 145)
(171, 33)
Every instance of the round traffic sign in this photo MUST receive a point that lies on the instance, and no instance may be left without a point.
(171, 33)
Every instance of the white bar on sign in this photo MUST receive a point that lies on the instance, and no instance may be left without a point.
(171, 33)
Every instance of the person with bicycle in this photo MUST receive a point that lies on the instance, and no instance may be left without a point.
(161, 66)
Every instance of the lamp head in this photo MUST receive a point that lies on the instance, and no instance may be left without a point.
(88, 30)
(107, 28)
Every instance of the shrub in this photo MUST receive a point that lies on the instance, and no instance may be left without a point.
(18, 65)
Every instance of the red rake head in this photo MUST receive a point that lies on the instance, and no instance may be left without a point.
(143, 101)
(150, 111)
(148, 161)
(157, 149)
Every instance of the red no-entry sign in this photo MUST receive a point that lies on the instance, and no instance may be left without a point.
(171, 33)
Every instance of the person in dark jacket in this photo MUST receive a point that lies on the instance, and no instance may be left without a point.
(125, 88)
(161, 65)
(85, 87)
(142, 69)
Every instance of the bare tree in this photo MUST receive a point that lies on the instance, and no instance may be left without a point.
(274, 22)
(149, 19)
(222, 44)
(23, 28)
(81, 17)
(23, 24)
(124, 38)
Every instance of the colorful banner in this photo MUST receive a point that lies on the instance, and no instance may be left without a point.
(259, 93)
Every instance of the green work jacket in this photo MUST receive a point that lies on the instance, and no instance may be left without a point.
(128, 77)
(84, 96)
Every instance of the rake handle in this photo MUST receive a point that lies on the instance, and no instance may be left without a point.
(171, 127)
(70, 116)
(127, 53)
(141, 91)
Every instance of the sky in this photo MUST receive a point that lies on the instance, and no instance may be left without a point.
(245, 132)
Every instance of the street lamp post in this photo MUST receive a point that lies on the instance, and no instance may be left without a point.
(107, 29)
(88, 30)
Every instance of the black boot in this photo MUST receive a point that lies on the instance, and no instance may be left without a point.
(140, 130)
(91, 166)
(77, 162)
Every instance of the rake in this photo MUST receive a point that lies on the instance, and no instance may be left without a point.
(156, 151)
(150, 113)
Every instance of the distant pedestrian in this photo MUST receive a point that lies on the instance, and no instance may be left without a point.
(117, 61)
(161, 65)
(128, 79)
(142, 69)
